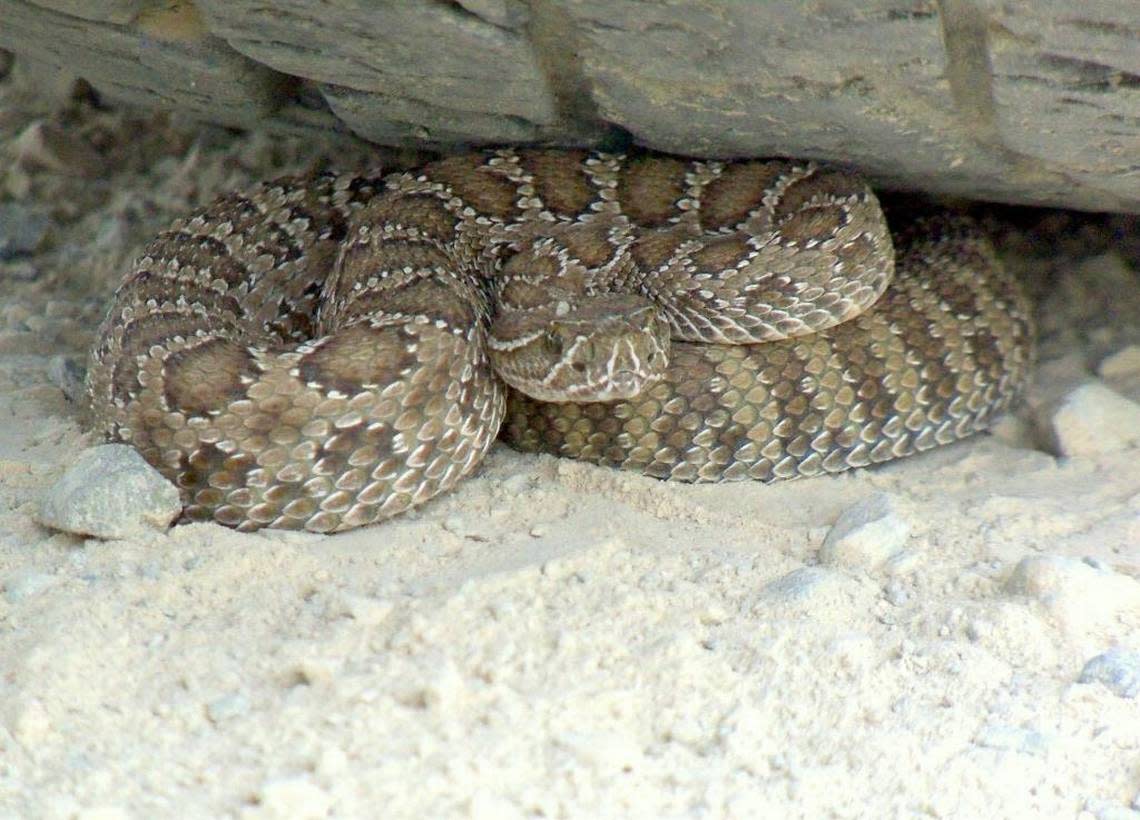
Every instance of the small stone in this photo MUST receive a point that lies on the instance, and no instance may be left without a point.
(1121, 371)
(21, 229)
(292, 797)
(1098, 808)
(21, 585)
(867, 535)
(1118, 669)
(110, 492)
(1013, 739)
(798, 584)
(1076, 594)
(67, 374)
(808, 589)
(1091, 419)
(979, 629)
(897, 593)
(1122, 363)
(226, 707)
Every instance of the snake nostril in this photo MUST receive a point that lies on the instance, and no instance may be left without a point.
(579, 367)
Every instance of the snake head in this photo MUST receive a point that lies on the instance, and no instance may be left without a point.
(598, 348)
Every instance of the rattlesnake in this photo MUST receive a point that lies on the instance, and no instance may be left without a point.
(327, 352)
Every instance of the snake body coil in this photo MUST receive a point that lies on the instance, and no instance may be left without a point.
(327, 352)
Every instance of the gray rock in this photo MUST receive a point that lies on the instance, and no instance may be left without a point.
(866, 535)
(1027, 101)
(148, 63)
(22, 229)
(67, 374)
(1091, 419)
(1118, 669)
(110, 492)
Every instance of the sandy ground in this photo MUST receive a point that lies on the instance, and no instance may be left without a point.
(553, 639)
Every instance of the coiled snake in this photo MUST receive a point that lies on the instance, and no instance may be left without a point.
(327, 352)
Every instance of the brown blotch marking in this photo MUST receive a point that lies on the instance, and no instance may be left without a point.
(519, 294)
(722, 253)
(208, 376)
(158, 328)
(146, 285)
(425, 212)
(827, 184)
(438, 298)
(236, 208)
(649, 187)
(532, 262)
(588, 243)
(349, 358)
(816, 222)
(961, 301)
(477, 184)
(560, 180)
(139, 336)
(738, 191)
(362, 262)
(655, 248)
(204, 253)
(208, 460)
(261, 233)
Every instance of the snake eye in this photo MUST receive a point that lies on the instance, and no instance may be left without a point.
(552, 341)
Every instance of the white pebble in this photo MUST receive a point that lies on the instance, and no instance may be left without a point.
(1092, 419)
(867, 535)
(227, 707)
(110, 492)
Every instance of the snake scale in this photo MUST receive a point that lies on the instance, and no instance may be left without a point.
(329, 351)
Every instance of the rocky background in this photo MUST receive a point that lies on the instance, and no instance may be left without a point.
(1022, 101)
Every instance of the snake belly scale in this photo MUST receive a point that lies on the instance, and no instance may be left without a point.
(329, 351)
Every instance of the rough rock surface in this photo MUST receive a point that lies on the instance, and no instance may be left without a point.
(1030, 101)
(110, 492)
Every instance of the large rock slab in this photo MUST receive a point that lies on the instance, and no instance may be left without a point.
(1030, 101)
